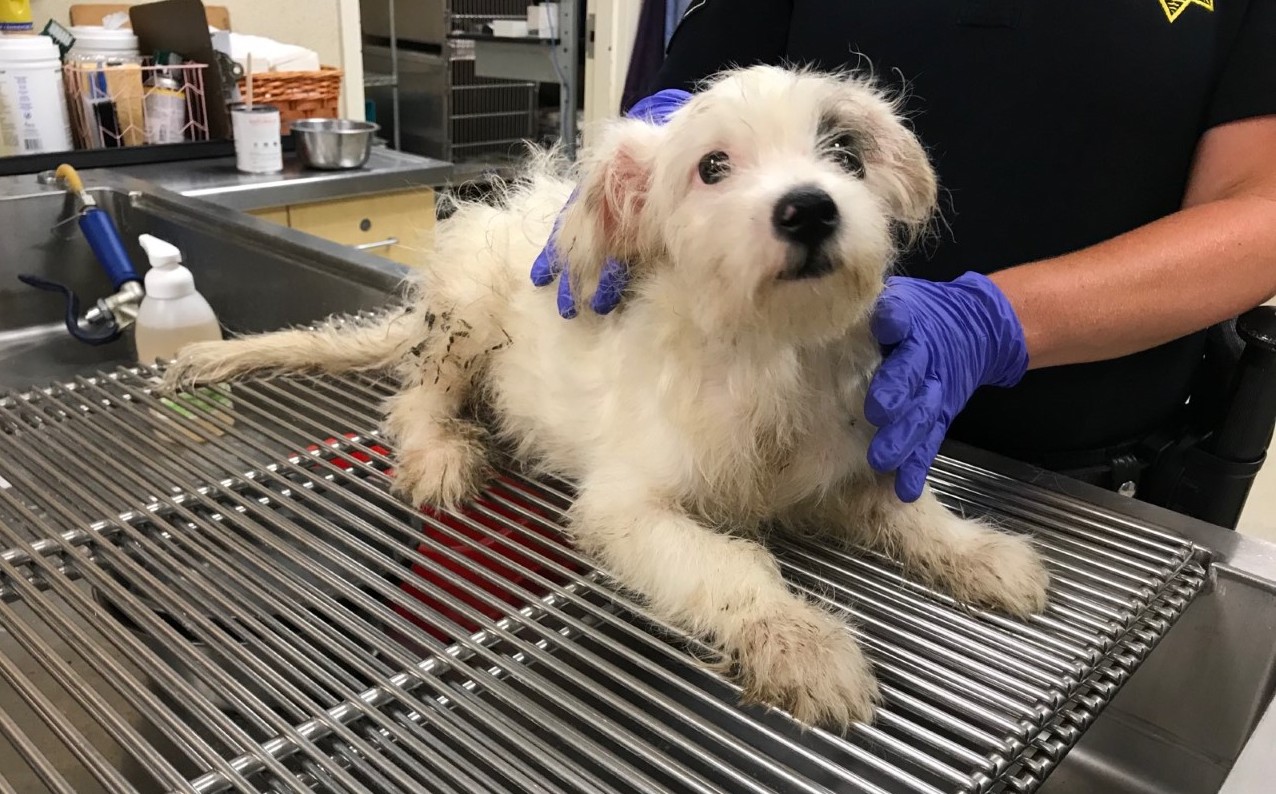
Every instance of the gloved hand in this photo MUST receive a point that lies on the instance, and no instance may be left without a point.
(942, 342)
(654, 109)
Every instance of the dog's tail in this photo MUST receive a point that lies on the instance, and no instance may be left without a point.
(344, 345)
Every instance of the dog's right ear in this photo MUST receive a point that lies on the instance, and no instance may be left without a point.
(606, 217)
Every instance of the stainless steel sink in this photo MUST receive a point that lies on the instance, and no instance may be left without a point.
(256, 275)
(1180, 723)
(1177, 725)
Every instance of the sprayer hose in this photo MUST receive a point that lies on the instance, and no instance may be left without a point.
(69, 175)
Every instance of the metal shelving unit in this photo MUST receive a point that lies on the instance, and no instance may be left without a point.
(454, 91)
(391, 80)
(545, 60)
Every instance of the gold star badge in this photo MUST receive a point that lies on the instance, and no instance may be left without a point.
(1173, 8)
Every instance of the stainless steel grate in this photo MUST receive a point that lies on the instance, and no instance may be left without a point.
(227, 597)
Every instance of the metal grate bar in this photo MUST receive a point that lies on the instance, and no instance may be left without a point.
(248, 588)
(45, 771)
(291, 637)
(136, 611)
(488, 9)
(383, 561)
(211, 528)
(268, 387)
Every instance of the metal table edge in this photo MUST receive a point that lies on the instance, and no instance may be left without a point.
(217, 181)
(1225, 549)
(1255, 768)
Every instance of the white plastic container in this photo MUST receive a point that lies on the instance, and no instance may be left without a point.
(542, 20)
(33, 116)
(173, 314)
(99, 43)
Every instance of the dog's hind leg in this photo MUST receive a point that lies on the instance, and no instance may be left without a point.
(974, 562)
(441, 458)
(344, 345)
(728, 590)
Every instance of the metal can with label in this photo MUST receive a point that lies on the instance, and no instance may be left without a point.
(257, 141)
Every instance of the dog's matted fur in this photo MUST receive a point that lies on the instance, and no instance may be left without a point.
(725, 395)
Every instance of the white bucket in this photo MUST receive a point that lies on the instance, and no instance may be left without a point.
(33, 115)
(92, 43)
(257, 146)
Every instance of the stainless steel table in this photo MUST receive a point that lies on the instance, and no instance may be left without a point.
(218, 182)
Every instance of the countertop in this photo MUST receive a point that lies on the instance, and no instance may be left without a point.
(218, 182)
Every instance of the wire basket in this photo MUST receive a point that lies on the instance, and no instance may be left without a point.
(119, 104)
(297, 95)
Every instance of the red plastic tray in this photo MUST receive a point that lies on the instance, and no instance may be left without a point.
(499, 545)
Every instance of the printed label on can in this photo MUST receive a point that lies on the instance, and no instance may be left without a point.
(165, 110)
(257, 146)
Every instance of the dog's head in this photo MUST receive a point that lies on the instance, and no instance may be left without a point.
(769, 201)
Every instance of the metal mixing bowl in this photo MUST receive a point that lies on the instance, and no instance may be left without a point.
(331, 144)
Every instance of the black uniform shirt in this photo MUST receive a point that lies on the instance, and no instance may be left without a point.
(1053, 126)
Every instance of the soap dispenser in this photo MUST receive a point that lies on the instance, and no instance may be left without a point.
(173, 314)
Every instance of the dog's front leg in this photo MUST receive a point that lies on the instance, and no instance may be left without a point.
(729, 591)
(972, 561)
(441, 457)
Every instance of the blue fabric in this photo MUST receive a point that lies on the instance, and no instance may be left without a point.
(674, 9)
(647, 56)
(655, 109)
(942, 342)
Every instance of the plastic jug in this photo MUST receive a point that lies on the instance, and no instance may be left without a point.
(173, 313)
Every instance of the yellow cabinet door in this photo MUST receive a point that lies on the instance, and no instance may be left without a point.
(277, 215)
(397, 226)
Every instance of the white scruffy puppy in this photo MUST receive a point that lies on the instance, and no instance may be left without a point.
(724, 395)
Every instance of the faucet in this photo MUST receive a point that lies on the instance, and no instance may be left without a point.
(106, 320)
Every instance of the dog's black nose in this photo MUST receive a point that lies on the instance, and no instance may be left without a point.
(806, 215)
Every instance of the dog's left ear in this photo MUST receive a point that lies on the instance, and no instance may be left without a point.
(606, 218)
(904, 176)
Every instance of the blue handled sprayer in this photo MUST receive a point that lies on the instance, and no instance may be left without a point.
(111, 315)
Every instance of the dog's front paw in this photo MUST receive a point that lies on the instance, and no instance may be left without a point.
(1000, 571)
(442, 473)
(808, 663)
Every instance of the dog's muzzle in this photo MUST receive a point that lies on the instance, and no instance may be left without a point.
(806, 217)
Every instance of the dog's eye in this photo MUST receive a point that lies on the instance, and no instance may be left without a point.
(847, 154)
(714, 167)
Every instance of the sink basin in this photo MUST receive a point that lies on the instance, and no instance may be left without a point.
(1177, 726)
(256, 275)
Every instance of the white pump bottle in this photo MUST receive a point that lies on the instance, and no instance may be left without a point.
(173, 314)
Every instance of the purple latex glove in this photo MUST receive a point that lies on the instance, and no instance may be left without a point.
(654, 109)
(942, 342)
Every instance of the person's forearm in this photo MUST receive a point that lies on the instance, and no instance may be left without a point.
(1157, 283)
